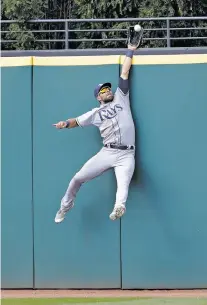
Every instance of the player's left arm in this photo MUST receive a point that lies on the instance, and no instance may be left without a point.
(124, 77)
(135, 35)
(127, 62)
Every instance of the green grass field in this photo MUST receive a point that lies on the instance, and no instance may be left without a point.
(65, 301)
(106, 301)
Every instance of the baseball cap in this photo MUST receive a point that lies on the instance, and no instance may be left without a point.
(99, 87)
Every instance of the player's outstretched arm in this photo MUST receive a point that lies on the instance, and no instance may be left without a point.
(127, 62)
(134, 40)
(70, 123)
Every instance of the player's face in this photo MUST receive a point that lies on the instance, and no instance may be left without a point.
(105, 95)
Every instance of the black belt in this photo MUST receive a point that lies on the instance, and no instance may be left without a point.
(123, 147)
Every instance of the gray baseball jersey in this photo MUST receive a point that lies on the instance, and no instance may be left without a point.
(113, 119)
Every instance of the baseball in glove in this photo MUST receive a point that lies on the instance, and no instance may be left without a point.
(135, 35)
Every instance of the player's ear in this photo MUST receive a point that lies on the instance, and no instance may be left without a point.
(99, 98)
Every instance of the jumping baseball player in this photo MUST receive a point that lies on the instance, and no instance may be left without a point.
(114, 119)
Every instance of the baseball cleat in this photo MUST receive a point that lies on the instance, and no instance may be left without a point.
(117, 212)
(60, 216)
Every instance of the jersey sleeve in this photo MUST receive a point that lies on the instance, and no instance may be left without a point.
(86, 119)
(123, 85)
(122, 91)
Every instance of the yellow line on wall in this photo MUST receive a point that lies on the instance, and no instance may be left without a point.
(15, 61)
(102, 60)
(168, 59)
(76, 60)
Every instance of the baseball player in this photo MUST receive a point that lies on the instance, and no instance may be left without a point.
(114, 119)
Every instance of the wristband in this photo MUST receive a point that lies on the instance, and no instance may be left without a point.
(67, 124)
(130, 53)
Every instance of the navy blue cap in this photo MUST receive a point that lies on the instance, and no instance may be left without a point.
(99, 87)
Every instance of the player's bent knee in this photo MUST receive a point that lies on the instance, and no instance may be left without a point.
(78, 179)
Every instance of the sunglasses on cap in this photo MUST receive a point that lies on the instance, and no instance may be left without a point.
(104, 90)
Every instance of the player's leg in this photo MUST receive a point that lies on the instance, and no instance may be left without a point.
(91, 169)
(123, 171)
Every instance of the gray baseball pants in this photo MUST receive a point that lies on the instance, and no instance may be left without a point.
(123, 163)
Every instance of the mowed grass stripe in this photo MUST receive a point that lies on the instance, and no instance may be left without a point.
(64, 301)
(107, 301)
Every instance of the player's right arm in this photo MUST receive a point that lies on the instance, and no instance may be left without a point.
(83, 120)
(70, 123)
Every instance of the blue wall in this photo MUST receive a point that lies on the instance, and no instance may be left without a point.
(165, 230)
(84, 251)
(161, 241)
(16, 207)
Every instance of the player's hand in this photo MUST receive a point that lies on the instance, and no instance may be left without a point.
(60, 125)
(133, 48)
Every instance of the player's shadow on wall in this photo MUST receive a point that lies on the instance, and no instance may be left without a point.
(137, 176)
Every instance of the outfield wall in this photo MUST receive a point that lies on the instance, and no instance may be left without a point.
(161, 241)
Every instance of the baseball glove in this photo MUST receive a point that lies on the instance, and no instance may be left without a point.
(134, 38)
